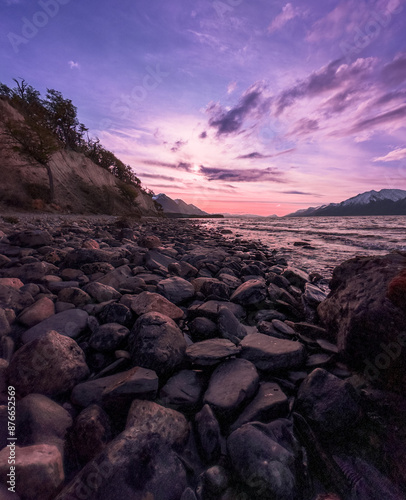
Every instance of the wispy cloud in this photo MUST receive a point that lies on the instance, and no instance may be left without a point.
(74, 65)
(253, 102)
(243, 175)
(395, 155)
(288, 13)
(259, 156)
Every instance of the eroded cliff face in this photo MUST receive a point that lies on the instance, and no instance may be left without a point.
(81, 186)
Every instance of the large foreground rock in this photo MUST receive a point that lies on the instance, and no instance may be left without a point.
(328, 402)
(137, 465)
(272, 354)
(50, 365)
(264, 457)
(69, 323)
(232, 384)
(369, 326)
(157, 343)
(39, 471)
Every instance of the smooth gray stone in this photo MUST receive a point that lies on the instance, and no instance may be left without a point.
(69, 323)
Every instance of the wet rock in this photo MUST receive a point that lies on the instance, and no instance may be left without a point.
(142, 383)
(70, 323)
(176, 290)
(39, 471)
(39, 420)
(328, 402)
(108, 337)
(91, 433)
(183, 391)
(269, 404)
(251, 293)
(208, 434)
(183, 269)
(229, 326)
(134, 465)
(232, 384)
(49, 365)
(211, 352)
(263, 457)
(147, 417)
(147, 302)
(367, 325)
(296, 277)
(156, 261)
(157, 343)
(314, 295)
(101, 293)
(272, 354)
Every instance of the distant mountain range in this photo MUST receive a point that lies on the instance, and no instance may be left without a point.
(383, 202)
(171, 206)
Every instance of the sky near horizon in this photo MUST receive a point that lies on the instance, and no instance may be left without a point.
(239, 106)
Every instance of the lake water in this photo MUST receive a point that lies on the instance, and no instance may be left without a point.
(320, 243)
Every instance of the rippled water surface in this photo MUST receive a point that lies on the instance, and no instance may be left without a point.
(320, 243)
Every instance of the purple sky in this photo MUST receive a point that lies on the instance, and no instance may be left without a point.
(236, 105)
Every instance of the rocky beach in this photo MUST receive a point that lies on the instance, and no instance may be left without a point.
(155, 359)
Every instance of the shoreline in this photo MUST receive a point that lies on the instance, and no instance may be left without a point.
(163, 339)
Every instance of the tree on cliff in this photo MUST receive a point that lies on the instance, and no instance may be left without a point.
(35, 142)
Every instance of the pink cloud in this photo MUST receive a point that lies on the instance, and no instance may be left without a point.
(288, 13)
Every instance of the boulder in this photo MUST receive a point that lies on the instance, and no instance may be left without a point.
(211, 352)
(38, 471)
(183, 391)
(77, 258)
(264, 459)
(91, 433)
(39, 420)
(108, 337)
(31, 238)
(250, 293)
(38, 312)
(146, 302)
(232, 384)
(157, 343)
(272, 354)
(229, 326)
(202, 328)
(328, 402)
(368, 326)
(147, 417)
(137, 383)
(149, 242)
(75, 296)
(12, 298)
(208, 434)
(176, 290)
(116, 313)
(269, 404)
(137, 464)
(296, 277)
(69, 323)
(116, 278)
(101, 293)
(49, 365)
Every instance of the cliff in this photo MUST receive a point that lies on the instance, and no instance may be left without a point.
(80, 185)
